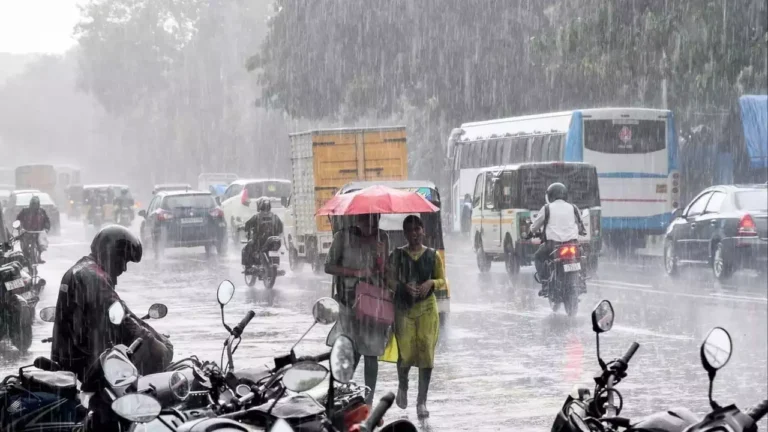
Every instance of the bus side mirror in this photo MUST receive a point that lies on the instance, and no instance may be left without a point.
(284, 201)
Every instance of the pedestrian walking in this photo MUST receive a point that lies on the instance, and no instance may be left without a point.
(416, 272)
(357, 260)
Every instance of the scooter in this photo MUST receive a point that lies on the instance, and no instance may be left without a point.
(19, 295)
(124, 216)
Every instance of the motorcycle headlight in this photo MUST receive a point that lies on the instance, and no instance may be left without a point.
(118, 370)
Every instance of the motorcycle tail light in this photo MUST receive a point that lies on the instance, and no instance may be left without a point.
(567, 252)
(216, 212)
(356, 415)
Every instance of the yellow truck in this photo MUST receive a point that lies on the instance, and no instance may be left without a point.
(324, 161)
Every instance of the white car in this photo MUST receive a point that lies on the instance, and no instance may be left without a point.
(239, 201)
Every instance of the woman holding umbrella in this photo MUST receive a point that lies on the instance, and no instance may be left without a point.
(415, 273)
(357, 256)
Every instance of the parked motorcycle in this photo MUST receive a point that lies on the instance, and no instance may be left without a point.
(267, 267)
(585, 412)
(566, 279)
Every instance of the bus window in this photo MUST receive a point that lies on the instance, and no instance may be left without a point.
(506, 151)
(500, 144)
(625, 136)
(556, 147)
(519, 145)
(489, 158)
(536, 144)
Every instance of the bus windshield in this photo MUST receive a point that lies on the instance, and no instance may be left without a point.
(625, 136)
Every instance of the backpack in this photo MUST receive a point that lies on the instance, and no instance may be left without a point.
(576, 215)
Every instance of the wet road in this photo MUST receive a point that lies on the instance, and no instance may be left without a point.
(506, 360)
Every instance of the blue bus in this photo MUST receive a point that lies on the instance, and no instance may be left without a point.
(633, 149)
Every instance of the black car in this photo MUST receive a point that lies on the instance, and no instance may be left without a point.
(725, 227)
(184, 219)
(19, 199)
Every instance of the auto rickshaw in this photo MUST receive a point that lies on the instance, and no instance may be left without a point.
(75, 203)
(392, 224)
(107, 193)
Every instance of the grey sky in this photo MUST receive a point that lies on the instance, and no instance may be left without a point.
(37, 25)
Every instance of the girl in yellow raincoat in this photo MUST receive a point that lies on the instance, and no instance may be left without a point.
(415, 273)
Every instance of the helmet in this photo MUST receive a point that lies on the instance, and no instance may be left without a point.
(113, 247)
(557, 191)
(34, 203)
(263, 205)
(124, 191)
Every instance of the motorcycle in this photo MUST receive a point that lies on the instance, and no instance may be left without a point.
(31, 244)
(566, 280)
(584, 412)
(124, 216)
(19, 295)
(267, 267)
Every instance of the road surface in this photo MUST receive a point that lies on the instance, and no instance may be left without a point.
(506, 361)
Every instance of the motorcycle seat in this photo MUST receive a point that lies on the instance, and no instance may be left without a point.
(62, 383)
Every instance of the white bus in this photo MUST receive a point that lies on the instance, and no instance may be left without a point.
(633, 149)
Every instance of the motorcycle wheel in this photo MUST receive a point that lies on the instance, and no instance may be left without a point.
(22, 337)
(250, 279)
(555, 305)
(270, 277)
(571, 302)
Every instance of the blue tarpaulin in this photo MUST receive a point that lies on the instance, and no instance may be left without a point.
(217, 190)
(754, 119)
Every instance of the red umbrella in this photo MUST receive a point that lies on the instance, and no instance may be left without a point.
(376, 199)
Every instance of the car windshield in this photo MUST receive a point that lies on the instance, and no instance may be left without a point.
(752, 200)
(192, 201)
(269, 189)
(22, 200)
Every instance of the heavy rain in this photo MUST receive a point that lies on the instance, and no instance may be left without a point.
(466, 179)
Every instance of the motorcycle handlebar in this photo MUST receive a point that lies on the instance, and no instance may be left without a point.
(630, 352)
(134, 346)
(379, 411)
(46, 364)
(238, 330)
(758, 411)
(317, 359)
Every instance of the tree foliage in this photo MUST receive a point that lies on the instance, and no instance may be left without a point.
(444, 62)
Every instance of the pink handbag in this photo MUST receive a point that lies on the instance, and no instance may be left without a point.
(374, 303)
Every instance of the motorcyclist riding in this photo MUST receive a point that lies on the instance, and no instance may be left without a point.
(81, 330)
(560, 222)
(259, 228)
(34, 218)
(124, 201)
(95, 201)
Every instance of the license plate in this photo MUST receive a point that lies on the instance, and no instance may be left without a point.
(572, 267)
(274, 253)
(14, 284)
(192, 220)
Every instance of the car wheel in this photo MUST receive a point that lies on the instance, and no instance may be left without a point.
(221, 246)
(722, 267)
(670, 259)
(208, 250)
(483, 262)
(510, 261)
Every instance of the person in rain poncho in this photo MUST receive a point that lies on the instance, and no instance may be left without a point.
(416, 272)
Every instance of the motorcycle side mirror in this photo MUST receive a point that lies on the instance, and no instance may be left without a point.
(157, 311)
(304, 376)
(602, 321)
(715, 353)
(137, 407)
(342, 359)
(116, 313)
(325, 311)
(602, 317)
(142, 213)
(225, 292)
(224, 295)
(16, 224)
(48, 314)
